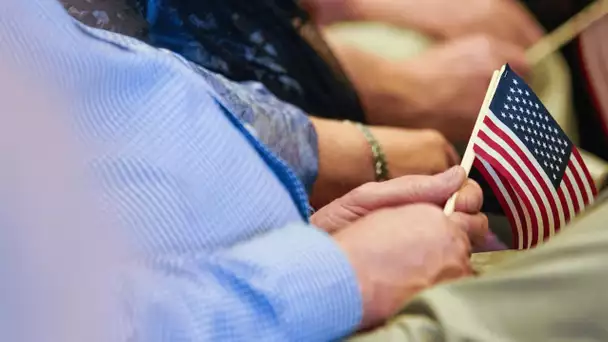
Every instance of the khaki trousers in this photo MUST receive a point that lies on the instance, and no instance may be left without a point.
(556, 292)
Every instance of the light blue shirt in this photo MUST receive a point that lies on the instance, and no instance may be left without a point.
(284, 128)
(220, 219)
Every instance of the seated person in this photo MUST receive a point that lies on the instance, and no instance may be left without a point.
(330, 157)
(228, 255)
(278, 44)
(218, 225)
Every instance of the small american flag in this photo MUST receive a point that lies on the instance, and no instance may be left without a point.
(534, 170)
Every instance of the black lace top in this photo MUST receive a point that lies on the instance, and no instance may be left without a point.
(271, 41)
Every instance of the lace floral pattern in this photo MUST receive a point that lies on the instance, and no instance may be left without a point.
(111, 15)
(273, 42)
(168, 30)
(284, 128)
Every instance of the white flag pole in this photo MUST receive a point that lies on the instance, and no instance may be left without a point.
(567, 31)
(469, 154)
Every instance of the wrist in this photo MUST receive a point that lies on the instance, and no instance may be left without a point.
(379, 163)
(345, 161)
(429, 96)
(366, 284)
(417, 86)
(375, 298)
(396, 96)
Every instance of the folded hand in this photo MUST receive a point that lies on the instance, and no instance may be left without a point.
(401, 251)
(506, 20)
(401, 191)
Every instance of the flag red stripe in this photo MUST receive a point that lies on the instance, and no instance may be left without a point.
(571, 192)
(511, 180)
(529, 167)
(567, 191)
(523, 176)
(579, 182)
(562, 200)
(590, 180)
(503, 203)
(577, 192)
(520, 211)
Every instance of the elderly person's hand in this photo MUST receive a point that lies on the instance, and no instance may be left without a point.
(397, 192)
(400, 251)
(415, 151)
(442, 88)
(398, 246)
(435, 190)
(506, 20)
(453, 78)
(443, 19)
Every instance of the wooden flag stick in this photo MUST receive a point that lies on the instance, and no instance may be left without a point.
(469, 154)
(567, 31)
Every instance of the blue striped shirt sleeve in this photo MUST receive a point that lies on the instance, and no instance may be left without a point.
(292, 284)
(204, 201)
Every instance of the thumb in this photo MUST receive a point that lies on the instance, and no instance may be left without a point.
(448, 182)
(408, 189)
(436, 189)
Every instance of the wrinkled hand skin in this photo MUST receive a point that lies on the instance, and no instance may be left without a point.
(398, 239)
(406, 190)
(400, 251)
(428, 91)
(401, 191)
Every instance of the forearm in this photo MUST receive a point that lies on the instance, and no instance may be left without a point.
(330, 11)
(404, 13)
(292, 284)
(286, 129)
(345, 161)
(390, 92)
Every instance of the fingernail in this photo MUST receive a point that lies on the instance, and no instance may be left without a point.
(452, 174)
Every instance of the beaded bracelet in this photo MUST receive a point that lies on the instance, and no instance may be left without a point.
(379, 159)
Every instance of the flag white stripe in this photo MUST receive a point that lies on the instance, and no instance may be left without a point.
(528, 220)
(537, 210)
(507, 198)
(577, 194)
(536, 185)
(532, 180)
(537, 166)
(568, 196)
(579, 170)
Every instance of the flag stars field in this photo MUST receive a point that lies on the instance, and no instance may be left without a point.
(532, 167)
